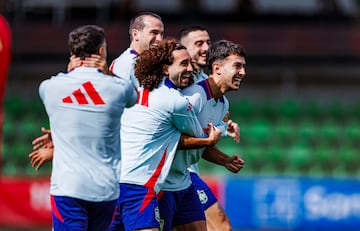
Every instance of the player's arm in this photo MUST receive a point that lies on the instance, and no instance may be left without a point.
(232, 163)
(185, 120)
(190, 142)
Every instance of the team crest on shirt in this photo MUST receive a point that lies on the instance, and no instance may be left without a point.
(202, 196)
(189, 107)
(162, 224)
(157, 214)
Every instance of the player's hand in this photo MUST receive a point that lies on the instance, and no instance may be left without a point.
(98, 62)
(233, 130)
(44, 141)
(214, 134)
(226, 117)
(93, 61)
(73, 63)
(40, 156)
(234, 163)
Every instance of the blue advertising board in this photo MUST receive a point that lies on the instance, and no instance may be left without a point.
(293, 203)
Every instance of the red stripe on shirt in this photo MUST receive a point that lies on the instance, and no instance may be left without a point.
(80, 97)
(208, 88)
(152, 181)
(150, 184)
(67, 100)
(111, 68)
(145, 98)
(93, 94)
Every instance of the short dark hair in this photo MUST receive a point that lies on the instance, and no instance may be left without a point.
(137, 22)
(221, 49)
(86, 40)
(186, 30)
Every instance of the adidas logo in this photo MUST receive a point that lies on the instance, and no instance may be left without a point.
(81, 98)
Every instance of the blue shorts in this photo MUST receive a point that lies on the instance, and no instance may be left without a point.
(179, 207)
(79, 215)
(117, 222)
(137, 209)
(206, 196)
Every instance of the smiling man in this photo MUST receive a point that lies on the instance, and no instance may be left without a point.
(197, 40)
(177, 207)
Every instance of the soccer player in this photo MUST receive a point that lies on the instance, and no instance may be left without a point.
(197, 41)
(145, 29)
(84, 108)
(177, 183)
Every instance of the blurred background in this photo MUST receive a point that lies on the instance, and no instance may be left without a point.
(298, 107)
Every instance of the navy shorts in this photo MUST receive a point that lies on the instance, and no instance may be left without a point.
(137, 209)
(206, 196)
(79, 215)
(179, 207)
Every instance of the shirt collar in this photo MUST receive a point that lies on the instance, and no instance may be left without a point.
(85, 69)
(170, 84)
(206, 86)
(134, 52)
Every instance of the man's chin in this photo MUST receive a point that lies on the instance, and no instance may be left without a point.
(185, 83)
(202, 64)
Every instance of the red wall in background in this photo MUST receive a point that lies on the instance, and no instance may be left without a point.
(5, 56)
(24, 202)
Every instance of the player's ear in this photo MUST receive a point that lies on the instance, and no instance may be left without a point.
(134, 34)
(215, 67)
(165, 70)
(103, 51)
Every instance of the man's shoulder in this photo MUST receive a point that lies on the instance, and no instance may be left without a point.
(122, 65)
(194, 88)
(126, 55)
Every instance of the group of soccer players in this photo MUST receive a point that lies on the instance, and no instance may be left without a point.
(168, 129)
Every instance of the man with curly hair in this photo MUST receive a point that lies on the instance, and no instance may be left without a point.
(152, 132)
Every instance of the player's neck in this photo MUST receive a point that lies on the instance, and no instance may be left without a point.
(215, 88)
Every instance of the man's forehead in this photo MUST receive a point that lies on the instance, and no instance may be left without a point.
(181, 54)
(198, 35)
(234, 57)
(153, 23)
